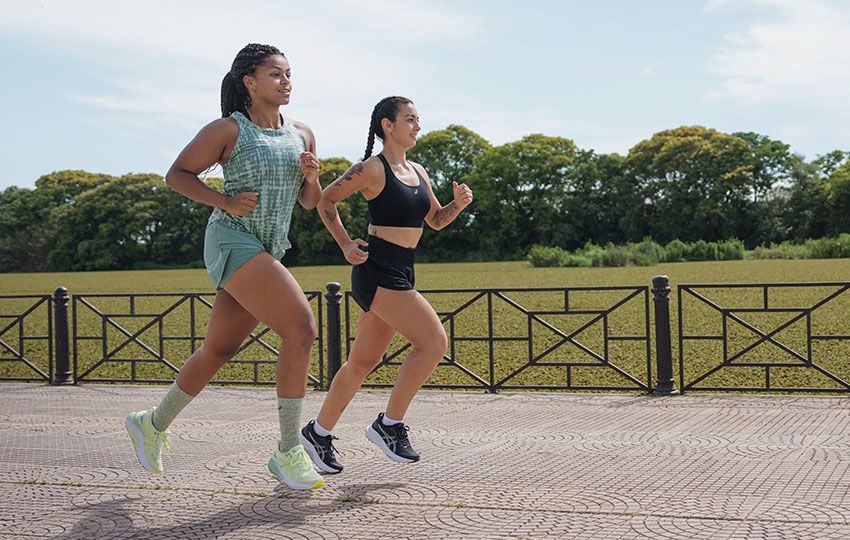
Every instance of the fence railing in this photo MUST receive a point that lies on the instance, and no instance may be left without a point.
(775, 336)
(565, 338)
(26, 338)
(772, 336)
(143, 337)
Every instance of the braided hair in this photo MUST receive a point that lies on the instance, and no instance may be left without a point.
(234, 95)
(386, 108)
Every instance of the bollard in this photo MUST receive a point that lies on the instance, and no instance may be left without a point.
(62, 355)
(665, 386)
(334, 299)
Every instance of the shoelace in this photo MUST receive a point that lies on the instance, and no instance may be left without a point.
(302, 461)
(328, 445)
(162, 438)
(401, 435)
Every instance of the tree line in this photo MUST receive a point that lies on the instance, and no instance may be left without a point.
(690, 183)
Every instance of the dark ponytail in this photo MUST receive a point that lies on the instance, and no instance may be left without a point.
(234, 95)
(386, 108)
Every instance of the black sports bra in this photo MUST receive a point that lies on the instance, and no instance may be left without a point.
(399, 205)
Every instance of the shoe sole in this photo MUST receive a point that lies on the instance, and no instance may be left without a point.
(314, 456)
(138, 440)
(378, 441)
(276, 471)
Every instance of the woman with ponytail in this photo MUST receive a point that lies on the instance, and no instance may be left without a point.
(269, 163)
(400, 199)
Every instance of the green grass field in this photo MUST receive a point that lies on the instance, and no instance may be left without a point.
(831, 319)
(460, 275)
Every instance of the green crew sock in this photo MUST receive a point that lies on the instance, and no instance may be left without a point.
(289, 416)
(173, 402)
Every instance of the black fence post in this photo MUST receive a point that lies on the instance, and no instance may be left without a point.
(62, 374)
(334, 299)
(665, 386)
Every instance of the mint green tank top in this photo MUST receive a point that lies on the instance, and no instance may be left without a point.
(266, 161)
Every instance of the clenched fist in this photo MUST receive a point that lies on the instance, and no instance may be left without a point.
(463, 195)
(309, 166)
(355, 251)
(241, 204)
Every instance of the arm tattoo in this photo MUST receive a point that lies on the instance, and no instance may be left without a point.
(330, 214)
(355, 169)
(444, 215)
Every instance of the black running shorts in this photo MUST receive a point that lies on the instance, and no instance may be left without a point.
(389, 266)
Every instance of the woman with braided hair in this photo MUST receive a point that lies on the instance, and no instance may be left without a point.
(399, 198)
(269, 162)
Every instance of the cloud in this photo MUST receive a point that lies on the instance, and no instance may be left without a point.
(207, 31)
(803, 56)
(163, 60)
(648, 70)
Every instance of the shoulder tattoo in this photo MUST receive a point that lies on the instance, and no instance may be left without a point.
(349, 175)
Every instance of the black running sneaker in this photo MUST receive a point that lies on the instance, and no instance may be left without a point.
(392, 440)
(320, 449)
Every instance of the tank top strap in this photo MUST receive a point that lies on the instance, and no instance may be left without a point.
(296, 133)
(241, 119)
(388, 171)
(421, 180)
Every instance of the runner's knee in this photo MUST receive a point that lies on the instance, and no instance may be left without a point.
(300, 333)
(434, 345)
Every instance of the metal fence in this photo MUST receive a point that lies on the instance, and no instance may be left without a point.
(776, 336)
(773, 336)
(26, 344)
(564, 338)
(143, 337)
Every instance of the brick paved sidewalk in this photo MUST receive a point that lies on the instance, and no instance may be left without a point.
(493, 466)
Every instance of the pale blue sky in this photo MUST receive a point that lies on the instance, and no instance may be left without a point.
(121, 87)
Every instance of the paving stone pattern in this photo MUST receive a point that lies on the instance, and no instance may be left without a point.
(493, 466)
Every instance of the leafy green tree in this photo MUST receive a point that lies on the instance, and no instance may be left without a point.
(805, 213)
(71, 183)
(448, 155)
(689, 183)
(519, 191)
(699, 182)
(25, 234)
(601, 203)
(771, 163)
(829, 162)
(311, 241)
(131, 221)
(93, 236)
(838, 196)
(177, 225)
(772, 170)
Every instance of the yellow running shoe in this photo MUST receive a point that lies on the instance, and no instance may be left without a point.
(295, 469)
(147, 440)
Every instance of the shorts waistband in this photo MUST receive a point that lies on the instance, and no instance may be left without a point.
(394, 252)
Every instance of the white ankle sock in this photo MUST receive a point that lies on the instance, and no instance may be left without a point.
(320, 431)
(387, 421)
